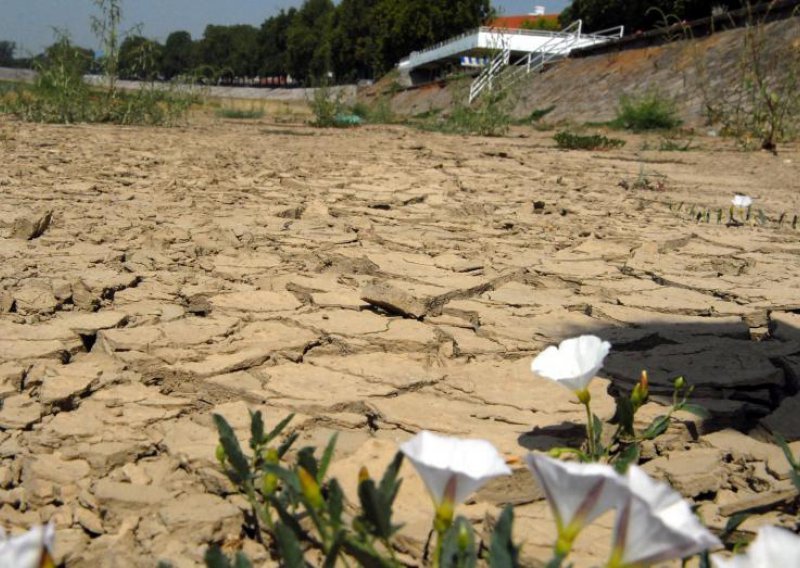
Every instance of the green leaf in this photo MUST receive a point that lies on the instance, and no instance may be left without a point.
(256, 429)
(657, 427)
(458, 546)
(389, 483)
(288, 519)
(286, 444)
(624, 415)
(367, 556)
(598, 435)
(289, 546)
(325, 461)
(214, 558)
(335, 502)
(240, 464)
(503, 553)
(628, 456)
(733, 523)
(242, 561)
(787, 451)
(696, 409)
(334, 550)
(275, 432)
(376, 515)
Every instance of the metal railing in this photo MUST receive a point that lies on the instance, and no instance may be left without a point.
(557, 47)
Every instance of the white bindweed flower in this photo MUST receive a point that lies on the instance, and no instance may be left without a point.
(573, 363)
(742, 201)
(655, 525)
(772, 547)
(453, 467)
(577, 493)
(32, 549)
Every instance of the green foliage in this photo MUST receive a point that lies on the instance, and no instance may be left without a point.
(230, 49)
(59, 93)
(239, 114)
(139, 58)
(794, 463)
(327, 105)
(570, 141)
(488, 117)
(762, 106)
(282, 494)
(7, 49)
(637, 15)
(177, 55)
(648, 111)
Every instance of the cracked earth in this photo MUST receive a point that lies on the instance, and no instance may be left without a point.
(375, 282)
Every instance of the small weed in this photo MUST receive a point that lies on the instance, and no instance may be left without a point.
(490, 117)
(239, 114)
(535, 116)
(571, 141)
(648, 111)
(670, 144)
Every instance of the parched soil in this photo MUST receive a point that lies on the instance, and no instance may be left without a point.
(376, 281)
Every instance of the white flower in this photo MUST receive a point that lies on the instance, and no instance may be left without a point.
(772, 547)
(574, 363)
(742, 201)
(577, 493)
(656, 525)
(464, 465)
(29, 550)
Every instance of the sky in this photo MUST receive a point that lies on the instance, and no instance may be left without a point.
(30, 23)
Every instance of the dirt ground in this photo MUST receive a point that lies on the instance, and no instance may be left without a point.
(376, 281)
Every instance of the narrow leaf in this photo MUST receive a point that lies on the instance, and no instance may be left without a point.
(256, 429)
(275, 432)
(657, 427)
(628, 456)
(291, 554)
(502, 551)
(233, 450)
(214, 558)
(696, 409)
(325, 461)
(242, 561)
(286, 444)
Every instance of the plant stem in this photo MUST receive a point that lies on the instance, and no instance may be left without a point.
(590, 430)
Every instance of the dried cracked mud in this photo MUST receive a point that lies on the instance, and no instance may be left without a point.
(376, 282)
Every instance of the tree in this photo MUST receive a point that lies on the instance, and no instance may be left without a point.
(352, 40)
(7, 49)
(178, 55)
(273, 42)
(308, 46)
(139, 58)
(231, 50)
(637, 14)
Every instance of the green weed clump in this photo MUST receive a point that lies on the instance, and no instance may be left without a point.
(570, 141)
(648, 111)
(490, 117)
(239, 114)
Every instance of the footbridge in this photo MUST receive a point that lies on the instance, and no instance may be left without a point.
(505, 46)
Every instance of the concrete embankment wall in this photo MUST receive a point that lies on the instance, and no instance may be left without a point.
(588, 88)
(348, 92)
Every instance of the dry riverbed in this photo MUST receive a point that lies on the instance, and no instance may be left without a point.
(376, 281)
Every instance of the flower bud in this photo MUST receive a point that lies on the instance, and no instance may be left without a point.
(583, 396)
(220, 453)
(269, 483)
(311, 490)
(640, 392)
(363, 475)
(270, 456)
(680, 383)
(463, 537)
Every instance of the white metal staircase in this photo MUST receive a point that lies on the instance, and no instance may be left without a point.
(501, 73)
